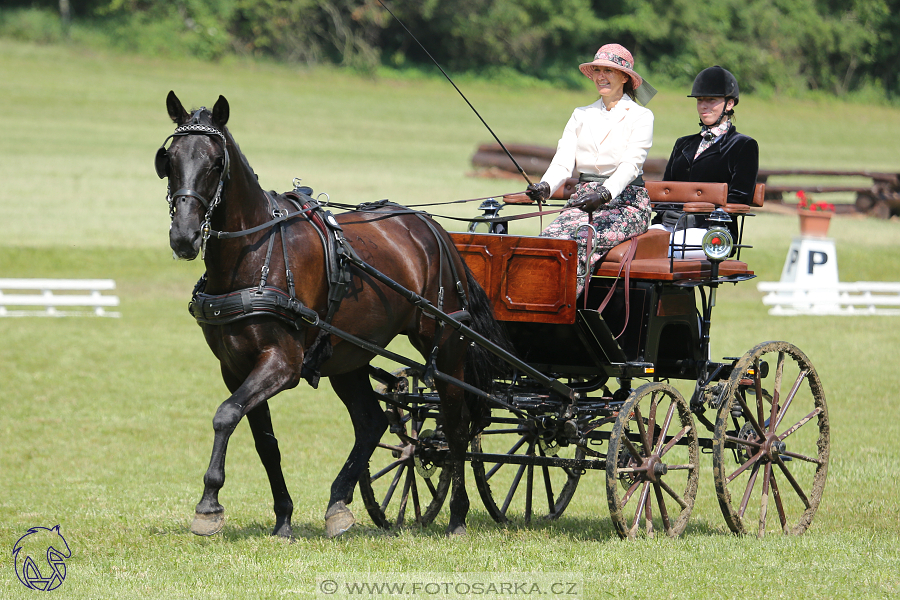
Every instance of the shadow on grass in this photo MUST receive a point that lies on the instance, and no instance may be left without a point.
(572, 528)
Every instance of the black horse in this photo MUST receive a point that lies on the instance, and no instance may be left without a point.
(263, 351)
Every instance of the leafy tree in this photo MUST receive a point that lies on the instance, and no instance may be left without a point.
(836, 46)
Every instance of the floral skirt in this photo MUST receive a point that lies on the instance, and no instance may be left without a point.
(624, 217)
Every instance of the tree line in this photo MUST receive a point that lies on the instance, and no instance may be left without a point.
(837, 47)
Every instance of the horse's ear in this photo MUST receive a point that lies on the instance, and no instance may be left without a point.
(220, 112)
(176, 110)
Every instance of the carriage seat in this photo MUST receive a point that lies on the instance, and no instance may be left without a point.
(651, 256)
(651, 261)
(695, 197)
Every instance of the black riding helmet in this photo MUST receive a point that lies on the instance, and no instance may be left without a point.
(716, 82)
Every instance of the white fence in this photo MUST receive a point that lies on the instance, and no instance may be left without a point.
(857, 298)
(57, 297)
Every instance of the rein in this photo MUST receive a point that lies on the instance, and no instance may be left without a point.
(364, 208)
(206, 231)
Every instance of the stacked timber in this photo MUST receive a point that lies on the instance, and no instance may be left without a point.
(880, 198)
(492, 161)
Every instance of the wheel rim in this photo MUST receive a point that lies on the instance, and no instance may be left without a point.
(771, 443)
(405, 479)
(652, 463)
(527, 491)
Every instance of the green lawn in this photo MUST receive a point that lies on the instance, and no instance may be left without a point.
(106, 423)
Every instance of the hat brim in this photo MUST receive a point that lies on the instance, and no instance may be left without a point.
(586, 68)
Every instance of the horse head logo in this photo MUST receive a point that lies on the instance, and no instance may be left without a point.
(41, 543)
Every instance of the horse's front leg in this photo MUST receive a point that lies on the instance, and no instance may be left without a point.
(272, 374)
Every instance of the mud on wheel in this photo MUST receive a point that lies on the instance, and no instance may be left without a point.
(405, 479)
(771, 442)
(652, 464)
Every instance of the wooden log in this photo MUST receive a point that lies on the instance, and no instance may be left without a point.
(535, 160)
(532, 165)
(545, 152)
(889, 178)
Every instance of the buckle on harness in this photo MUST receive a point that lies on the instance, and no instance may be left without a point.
(205, 232)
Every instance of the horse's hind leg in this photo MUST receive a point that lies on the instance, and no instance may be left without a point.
(271, 375)
(457, 427)
(267, 447)
(369, 423)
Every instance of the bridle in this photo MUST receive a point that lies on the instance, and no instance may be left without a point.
(161, 163)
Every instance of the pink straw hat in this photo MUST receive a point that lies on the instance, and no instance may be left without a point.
(617, 57)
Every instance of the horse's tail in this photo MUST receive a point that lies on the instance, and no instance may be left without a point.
(482, 366)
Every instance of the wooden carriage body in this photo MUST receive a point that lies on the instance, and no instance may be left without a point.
(531, 282)
(653, 325)
(589, 390)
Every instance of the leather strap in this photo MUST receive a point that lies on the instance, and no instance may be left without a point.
(626, 264)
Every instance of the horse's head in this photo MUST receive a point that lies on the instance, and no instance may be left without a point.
(197, 165)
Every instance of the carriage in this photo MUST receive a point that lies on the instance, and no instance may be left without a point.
(583, 383)
(603, 401)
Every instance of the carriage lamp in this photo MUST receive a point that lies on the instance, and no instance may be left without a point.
(717, 245)
(491, 208)
(717, 241)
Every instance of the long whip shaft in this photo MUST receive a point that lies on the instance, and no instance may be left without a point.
(521, 170)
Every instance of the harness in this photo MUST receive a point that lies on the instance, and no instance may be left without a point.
(161, 162)
(266, 300)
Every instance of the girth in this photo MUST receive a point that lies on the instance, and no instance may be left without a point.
(221, 309)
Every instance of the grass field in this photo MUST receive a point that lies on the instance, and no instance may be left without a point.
(105, 425)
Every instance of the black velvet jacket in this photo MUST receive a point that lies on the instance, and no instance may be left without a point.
(733, 160)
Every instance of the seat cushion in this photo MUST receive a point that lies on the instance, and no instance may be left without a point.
(651, 244)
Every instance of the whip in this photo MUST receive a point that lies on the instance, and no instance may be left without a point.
(522, 171)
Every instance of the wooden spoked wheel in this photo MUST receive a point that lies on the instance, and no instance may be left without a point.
(528, 490)
(652, 463)
(771, 442)
(406, 480)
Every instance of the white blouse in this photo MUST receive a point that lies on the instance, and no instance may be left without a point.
(603, 142)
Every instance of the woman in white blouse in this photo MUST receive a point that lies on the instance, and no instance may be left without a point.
(604, 145)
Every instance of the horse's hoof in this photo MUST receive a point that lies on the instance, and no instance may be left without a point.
(338, 519)
(457, 531)
(208, 524)
(283, 531)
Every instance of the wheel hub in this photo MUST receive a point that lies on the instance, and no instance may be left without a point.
(656, 468)
(773, 447)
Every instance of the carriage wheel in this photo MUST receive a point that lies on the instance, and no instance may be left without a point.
(523, 489)
(405, 479)
(771, 442)
(652, 463)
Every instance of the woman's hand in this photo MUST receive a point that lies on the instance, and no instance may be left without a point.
(539, 192)
(592, 201)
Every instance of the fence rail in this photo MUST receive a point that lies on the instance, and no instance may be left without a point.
(57, 297)
(856, 298)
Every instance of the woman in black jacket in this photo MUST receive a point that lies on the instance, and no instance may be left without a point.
(718, 153)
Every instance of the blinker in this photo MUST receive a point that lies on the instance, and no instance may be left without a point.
(161, 162)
